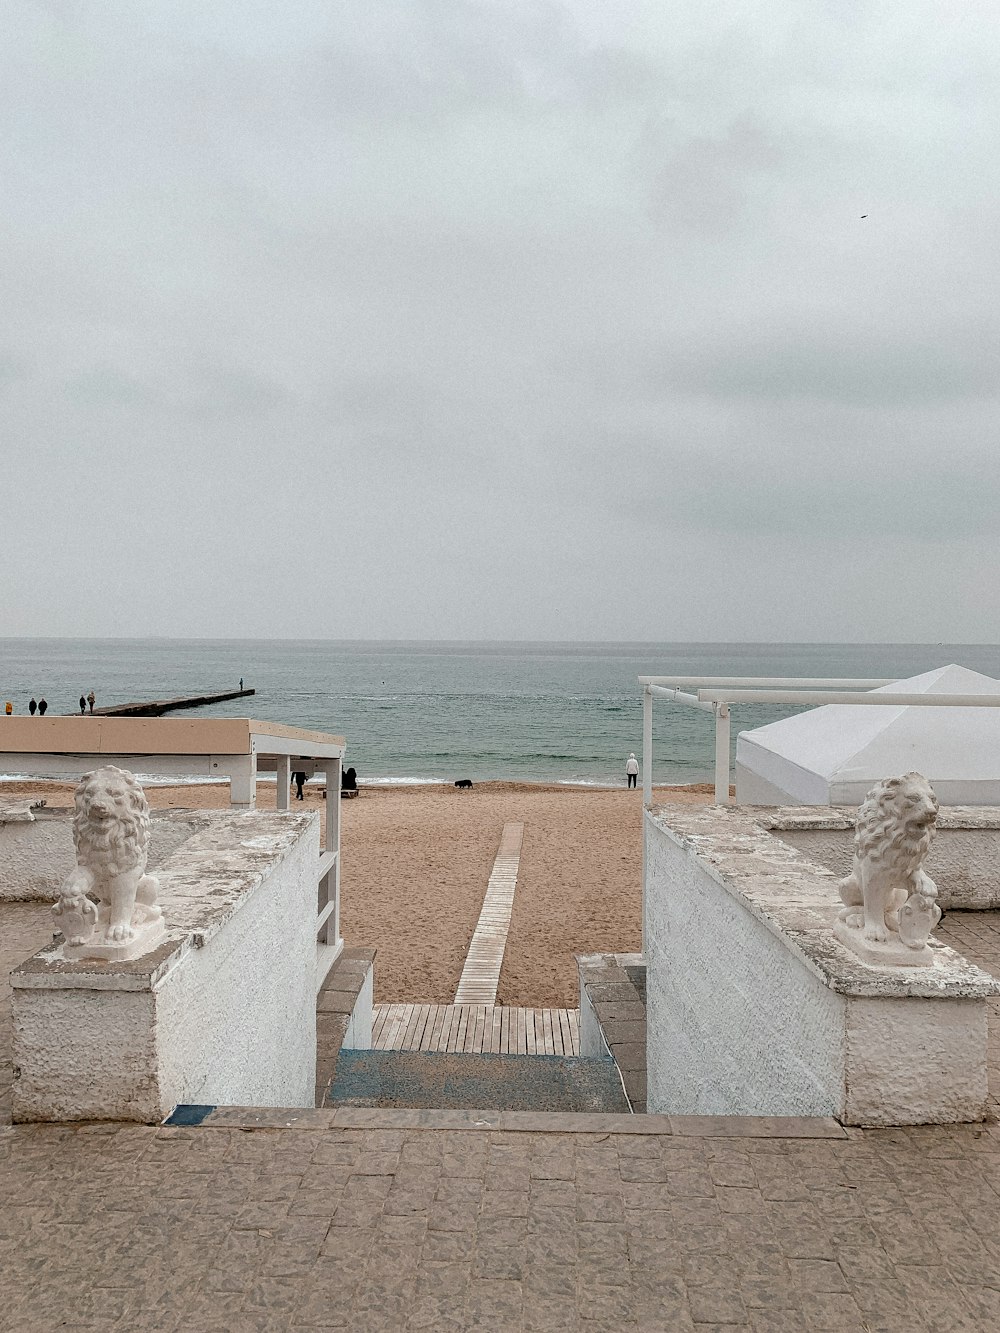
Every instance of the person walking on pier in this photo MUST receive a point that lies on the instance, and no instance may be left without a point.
(32, 706)
(42, 706)
(632, 769)
(83, 704)
(91, 699)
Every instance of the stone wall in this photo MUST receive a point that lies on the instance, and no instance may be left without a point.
(222, 1013)
(736, 1025)
(36, 848)
(754, 1008)
(963, 862)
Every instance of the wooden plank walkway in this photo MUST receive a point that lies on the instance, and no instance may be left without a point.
(481, 973)
(476, 1029)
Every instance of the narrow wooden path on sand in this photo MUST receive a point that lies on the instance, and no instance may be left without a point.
(475, 1024)
(476, 1029)
(481, 973)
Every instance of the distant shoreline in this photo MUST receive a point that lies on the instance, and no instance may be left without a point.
(374, 784)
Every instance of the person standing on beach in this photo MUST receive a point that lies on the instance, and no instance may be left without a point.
(42, 706)
(91, 699)
(299, 780)
(241, 682)
(632, 770)
(8, 708)
(83, 705)
(32, 706)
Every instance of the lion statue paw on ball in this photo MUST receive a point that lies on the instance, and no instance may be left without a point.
(888, 893)
(111, 834)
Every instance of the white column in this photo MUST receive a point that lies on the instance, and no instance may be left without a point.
(330, 884)
(647, 788)
(243, 781)
(283, 778)
(647, 747)
(721, 754)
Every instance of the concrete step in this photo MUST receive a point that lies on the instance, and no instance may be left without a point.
(438, 1080)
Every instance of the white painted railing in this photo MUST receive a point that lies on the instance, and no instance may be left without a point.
(715, 694)
(328, 941)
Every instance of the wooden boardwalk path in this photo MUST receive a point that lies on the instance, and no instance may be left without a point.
(481, 973)
(476, 1029)
(475, 1024)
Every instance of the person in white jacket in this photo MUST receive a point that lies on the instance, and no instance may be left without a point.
(632, 769)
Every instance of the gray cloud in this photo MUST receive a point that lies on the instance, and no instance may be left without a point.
(583, 294)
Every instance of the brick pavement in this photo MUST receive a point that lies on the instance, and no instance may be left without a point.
(24, 929)
(107, 1227)
(976, 935)
(135, 1228)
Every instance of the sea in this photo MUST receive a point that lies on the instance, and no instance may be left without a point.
(439, 711)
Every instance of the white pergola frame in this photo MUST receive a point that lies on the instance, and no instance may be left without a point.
(236, 749)
(715, 694)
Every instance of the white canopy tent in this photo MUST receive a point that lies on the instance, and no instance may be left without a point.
(833, 754)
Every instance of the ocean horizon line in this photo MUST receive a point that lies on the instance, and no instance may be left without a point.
(497, 642)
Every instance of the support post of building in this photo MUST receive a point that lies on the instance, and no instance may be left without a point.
(647, 747)
(243, 781)
(330, 884)
(283, 780)
(721, 754)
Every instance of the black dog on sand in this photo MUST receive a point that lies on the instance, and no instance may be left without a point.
(464, 782)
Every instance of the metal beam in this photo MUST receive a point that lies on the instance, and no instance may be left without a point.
(265, 743)
(762, 682)
(679, 697)
(882, 699)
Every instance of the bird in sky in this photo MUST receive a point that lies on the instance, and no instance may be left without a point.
(863, 216)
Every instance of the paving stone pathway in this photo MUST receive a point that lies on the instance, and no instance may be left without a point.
(24, 929)
(133, 1228)
(976, 935)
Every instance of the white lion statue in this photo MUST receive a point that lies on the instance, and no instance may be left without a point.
(888, 893)
(111, 834)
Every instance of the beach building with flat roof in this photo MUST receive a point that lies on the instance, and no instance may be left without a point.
(236, 749)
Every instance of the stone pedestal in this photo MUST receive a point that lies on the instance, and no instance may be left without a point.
(145, 940)
(221, 1012)
(893, 953)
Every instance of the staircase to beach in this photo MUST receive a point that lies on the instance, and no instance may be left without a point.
(479, 1082)
(476, 1054)
(476, 1057)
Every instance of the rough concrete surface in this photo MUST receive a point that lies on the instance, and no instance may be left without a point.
(136, 1228)
(493, 1082)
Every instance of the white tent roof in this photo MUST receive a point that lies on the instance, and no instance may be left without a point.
(833, 754)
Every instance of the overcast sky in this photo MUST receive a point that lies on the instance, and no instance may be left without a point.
(451, 319)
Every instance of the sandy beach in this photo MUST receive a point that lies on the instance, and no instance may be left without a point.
(416, 861)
